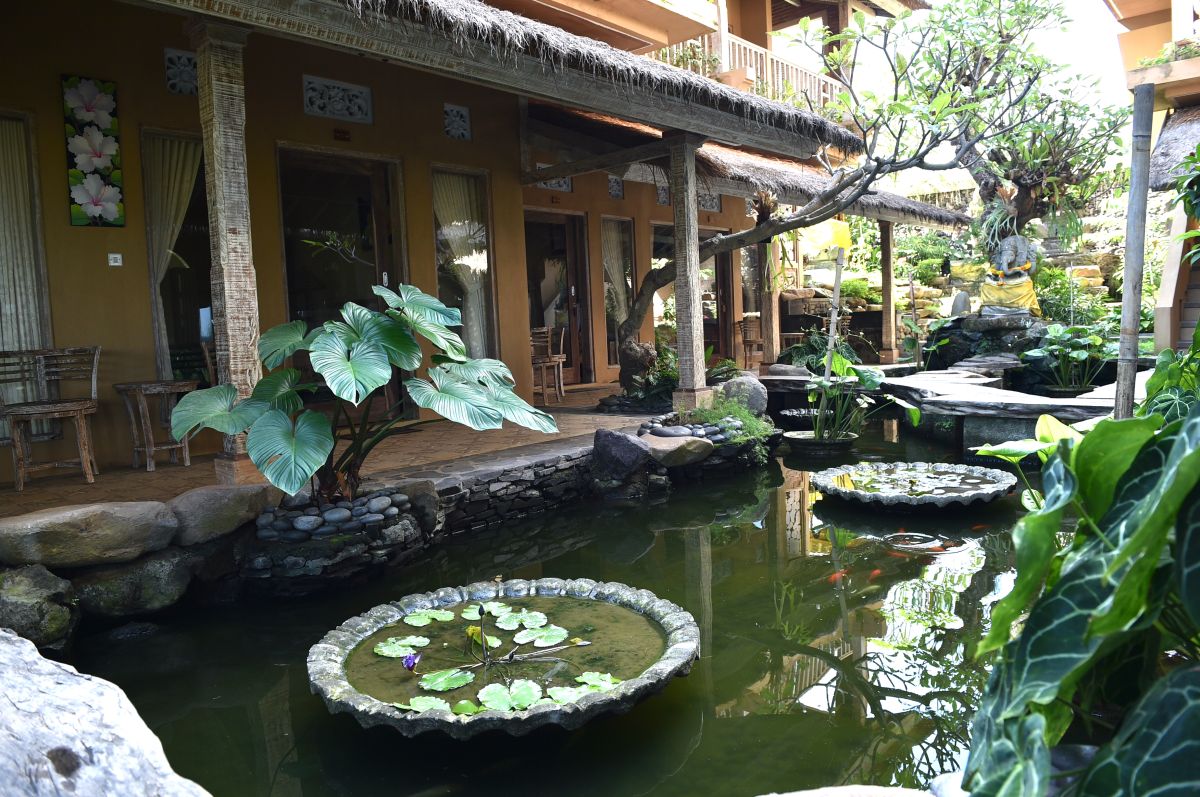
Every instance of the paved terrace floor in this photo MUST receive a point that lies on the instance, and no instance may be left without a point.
(427, 443)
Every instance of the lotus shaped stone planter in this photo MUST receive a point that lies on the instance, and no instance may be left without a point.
(328, 659)
(914, 485)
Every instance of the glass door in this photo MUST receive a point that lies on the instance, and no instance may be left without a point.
(556, 269)
(337, 238)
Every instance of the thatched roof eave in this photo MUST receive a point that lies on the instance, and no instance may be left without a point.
(1179, 137)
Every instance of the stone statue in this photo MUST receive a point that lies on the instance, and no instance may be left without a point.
(1009, 285)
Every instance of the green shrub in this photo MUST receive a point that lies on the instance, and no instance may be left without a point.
(928, 270)
(811, 352)
(856, 289)
(1056, 297)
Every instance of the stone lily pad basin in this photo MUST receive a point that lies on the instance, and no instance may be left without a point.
(914, 485)
(558, 652)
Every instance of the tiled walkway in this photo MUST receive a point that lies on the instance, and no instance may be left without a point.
(437, 441)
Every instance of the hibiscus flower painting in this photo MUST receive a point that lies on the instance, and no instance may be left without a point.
(94, 177)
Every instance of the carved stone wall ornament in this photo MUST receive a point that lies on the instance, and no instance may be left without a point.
(336, 100)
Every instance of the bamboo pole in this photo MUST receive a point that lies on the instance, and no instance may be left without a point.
(1135, 250)
(833, 312)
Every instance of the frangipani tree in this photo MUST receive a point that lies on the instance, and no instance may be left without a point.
(355, 357)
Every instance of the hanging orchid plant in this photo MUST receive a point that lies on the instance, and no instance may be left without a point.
(355, 358)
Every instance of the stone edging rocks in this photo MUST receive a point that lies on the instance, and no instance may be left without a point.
(1000, 483)
(64, 732)
(327, 676)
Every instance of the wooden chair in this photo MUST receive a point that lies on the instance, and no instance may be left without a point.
(44, 373)
(752, 337)
(547, 363)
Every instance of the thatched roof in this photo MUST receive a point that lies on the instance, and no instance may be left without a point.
(1179, 137)
(471, 24)
(741, 171)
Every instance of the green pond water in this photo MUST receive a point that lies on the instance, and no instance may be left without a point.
(829, 655)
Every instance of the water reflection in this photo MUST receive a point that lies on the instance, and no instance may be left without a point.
(828, 655)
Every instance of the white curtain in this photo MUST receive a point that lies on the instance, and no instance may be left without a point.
(22, 281)
(617, 267)
(171, 164)
(461, 216)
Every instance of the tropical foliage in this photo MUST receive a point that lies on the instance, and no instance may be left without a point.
(356, 358)
(1113, 615)
(1073, 356)
(842, 405)
(1173, 390)
(812, 350)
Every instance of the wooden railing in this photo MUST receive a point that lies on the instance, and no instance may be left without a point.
(774, 77)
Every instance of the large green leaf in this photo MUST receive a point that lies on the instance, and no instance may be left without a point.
(518, 697)
(278, 343)
(417, 304)
(1143, 532)
(424, 617)
(445, 680)
(351, 371)
(215, 408)
(480, 370)
(456, 401)
(392, 336)
(1034, 541)
(437, 334)
(424, 703)
(289, 453)
(1104, 455)
(515, 409)
(1172, 403)
(397, 647)
(1157, 749)
(278, 391)
(542, 636)
(494, 608)
(522, 619)
(599, 681)
(1015, 450)
(1187, 542)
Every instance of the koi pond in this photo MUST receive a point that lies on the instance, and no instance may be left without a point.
(836, 647)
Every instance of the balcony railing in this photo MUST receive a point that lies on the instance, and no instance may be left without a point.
(774, 77)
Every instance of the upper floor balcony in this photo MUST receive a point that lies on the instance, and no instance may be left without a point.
(751, 67)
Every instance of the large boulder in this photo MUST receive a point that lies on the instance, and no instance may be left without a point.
(147, 585)
(87, 534)
(66, 733)
(206, 513)
(38, 605)
(675, 452)
(747, 391)
(616, 455)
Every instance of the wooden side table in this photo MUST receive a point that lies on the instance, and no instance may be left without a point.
(143, 442)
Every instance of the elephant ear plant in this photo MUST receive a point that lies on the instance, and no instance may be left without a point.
(1110, 638)
(355, 356)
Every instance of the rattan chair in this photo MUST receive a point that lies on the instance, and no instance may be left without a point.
(548, 363)
(45, 376)
(752, 337)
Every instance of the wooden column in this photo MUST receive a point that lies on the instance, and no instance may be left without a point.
(692, 391)
(768, 301)
(887, 351)
(221, 89)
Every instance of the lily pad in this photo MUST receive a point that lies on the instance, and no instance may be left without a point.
(397, 647)
(598, 681)
(542, 637)
(424, 703)
(426, 616)
(445, 680)
(494, 608)
(520, 696)
(466, 708)
(567, 694)
(522, 619)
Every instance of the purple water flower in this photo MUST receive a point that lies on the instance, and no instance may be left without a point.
(410, 661)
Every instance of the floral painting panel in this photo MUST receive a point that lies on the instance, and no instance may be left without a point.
(94, 176)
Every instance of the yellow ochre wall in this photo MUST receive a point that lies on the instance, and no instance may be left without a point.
(91, 303)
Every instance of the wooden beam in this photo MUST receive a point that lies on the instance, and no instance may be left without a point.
(411, 44)
(888, 352)
(601, 162)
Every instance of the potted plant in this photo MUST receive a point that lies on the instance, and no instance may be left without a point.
(840, 408)
(355, 357)
(1073, 357)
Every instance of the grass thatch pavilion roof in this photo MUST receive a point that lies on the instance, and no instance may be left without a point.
(735, 171)
(1179, 137)
(474, 26)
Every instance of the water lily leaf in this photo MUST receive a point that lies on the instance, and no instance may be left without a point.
(522, 619)
(496, 697)
(466, 708)
(494, 608)
(424, 703)
(524, 693)
(598, 681)
(476, 635)
(288, 453)
(216, 408)
(445, 680)
(425, 616)
(542, 637)
(567, 694)
(397, 647)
